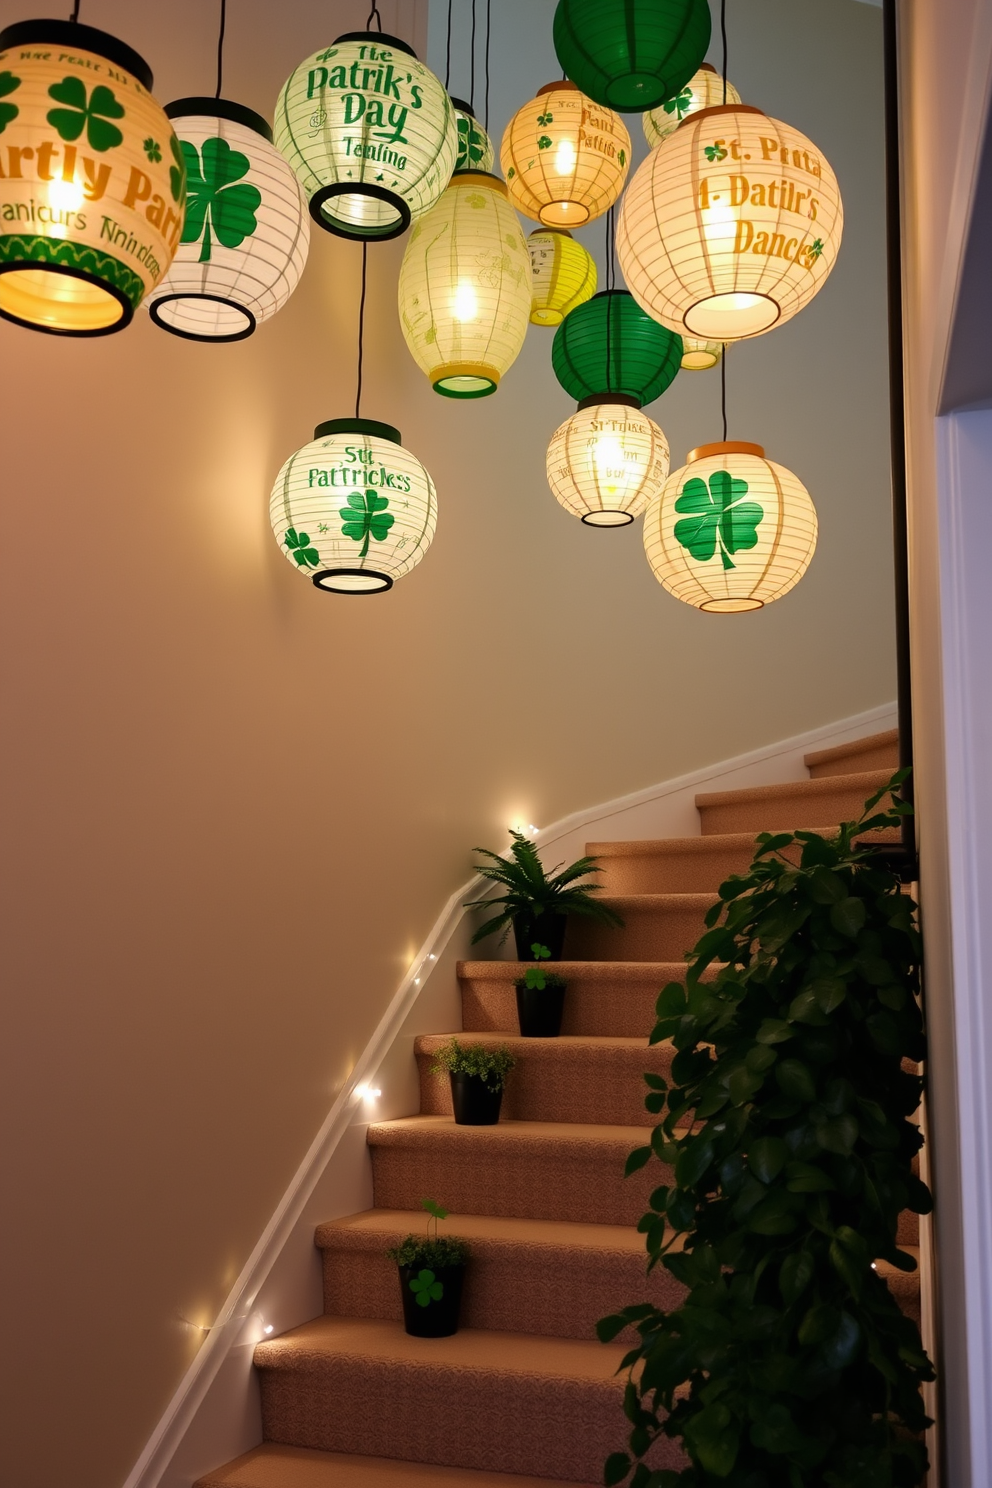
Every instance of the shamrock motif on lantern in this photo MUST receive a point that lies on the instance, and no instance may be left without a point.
(90, 114)
(177, 171)
(365, 517)
(680, 104)
(8, 111)
(298, 544)
(719, 516)
(213, 198)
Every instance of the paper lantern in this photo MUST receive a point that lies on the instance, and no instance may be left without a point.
(476, 151)
(563, 275)
(370, 132)
(606, 462)
(730, 226)
(700, 356)
(564, 157)
(731, 531)
(464, 288)
(246, 236)
(703, 90)
(353, 511)
(92, 181)
(631, 56)
(609, 345)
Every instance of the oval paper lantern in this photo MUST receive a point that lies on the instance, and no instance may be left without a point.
(563, 275)
(464, 289)
(370, 132)
(631, 56)
(700, 356)
(353, 511)
(609, 345)
(703, 90)
(564, 157)
(246, 235)
(731, 531)
(606, 462)
(476, 151)
(92, 180)
(730, 226)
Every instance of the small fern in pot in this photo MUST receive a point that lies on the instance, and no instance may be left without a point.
(478, 1074)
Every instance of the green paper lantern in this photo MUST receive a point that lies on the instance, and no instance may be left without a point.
(610, 345)
(631, 55)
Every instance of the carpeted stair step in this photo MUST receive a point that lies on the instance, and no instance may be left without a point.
(800, 803)
(505, 1402)
(518, 1169)
(524, 1275)
(657, 927)
(274, 1466)
(569, 1079)
(672, 865)
(874, 752)
(604, 998)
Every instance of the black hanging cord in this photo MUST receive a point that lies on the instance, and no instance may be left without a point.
(75, 12)
(723, 33)
(471, 90)
(489, 28)
(723, 392)
(610, 282)
(361, 329)
(447, 59)
(374, 16)
(220, 46)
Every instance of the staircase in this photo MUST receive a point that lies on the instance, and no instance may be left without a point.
(523, 1394)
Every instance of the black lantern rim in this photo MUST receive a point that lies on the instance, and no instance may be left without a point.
(197, 335)
(627, 399)
(589, 520)
(127, 309)
(385, 582)
(462, 106)
(360, 188)
(220, 108)
(358, 426)
(74, 35)
(380, 36)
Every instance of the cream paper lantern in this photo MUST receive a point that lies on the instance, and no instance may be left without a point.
(370, 132)
(700, 356)
(730, 226)
(247, 233)
(476, 151)
(353, 511)
(564, 157)
(731, 530)
(92, 180)
(464, 288)
(607, 461)
(703, 90)
(563, 275)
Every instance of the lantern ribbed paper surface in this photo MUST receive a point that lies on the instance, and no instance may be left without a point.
(92, 180)
(370, 132)
(476, 151)
(731, 531)
(700, 356)
(464, 288)
(247, 232)
(609, 345)
(606, 462)
(703, 90)
(564, 157)
(563, 275)
(730, 226)
(631, 55)
(353, 510)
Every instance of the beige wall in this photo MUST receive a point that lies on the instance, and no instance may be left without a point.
(232, 806)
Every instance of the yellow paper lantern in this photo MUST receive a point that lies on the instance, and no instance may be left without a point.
(563, 275)
(703, 90)
(464, 288)
(730, 226)
(731, 531)
(564, 157)
(92, 180)
(607, 461)
(700, 356)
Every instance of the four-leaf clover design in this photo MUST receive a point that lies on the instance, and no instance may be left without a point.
(680, 104)
(544, 143)
(93, 114)
(365, 517)
(213, 201)
(715, 152)
(718, 516)
(426, 1288)
(545, 119)
(298, 544)
(8, 111)
(153, 150)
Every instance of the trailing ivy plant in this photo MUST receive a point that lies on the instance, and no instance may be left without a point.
(789, 1127)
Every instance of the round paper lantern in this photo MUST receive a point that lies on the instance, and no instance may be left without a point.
(609, 345)
(700, 356)
(565, 159)
(606, 462)
(353, 511)
(563, 275)
(370, 132)
(476, 151)
(631, 56)
(464, 289)
(246, 236)
(731, 531)
(703, 90)
(92, 180)
(730, 226)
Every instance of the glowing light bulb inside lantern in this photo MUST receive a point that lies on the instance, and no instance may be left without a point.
(66, 196)
(719, 226)
(466, 306)
(608, 457)
(565, 158)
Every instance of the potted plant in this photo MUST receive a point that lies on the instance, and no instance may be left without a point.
(536, 904)
(477, 1075)
(540, 998)
(432, 1269)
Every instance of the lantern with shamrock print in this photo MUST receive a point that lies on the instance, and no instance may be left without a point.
(563, 275)
(631, 56)
(246, 234)
(609, 345)
(607, 461)
(564, 157)
(704, 89)
(700, 356)
(353, 510)
(93, 184)
(476, 151)
(370, 132)
(731, 530)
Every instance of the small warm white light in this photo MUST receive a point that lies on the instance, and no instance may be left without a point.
(432, 957)
(367, 1092)
(66, 195)
(565, 158)
(267, 1328)
(466, 306)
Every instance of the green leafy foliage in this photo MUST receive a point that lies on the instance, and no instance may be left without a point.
(789, 1127)
(432, 1251)
(535, 977)
(532, 892)
(491, 1066)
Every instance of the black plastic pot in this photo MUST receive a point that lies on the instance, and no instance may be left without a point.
(544, 929)
(539, 1011)
(475, 1104)
(439, 1318)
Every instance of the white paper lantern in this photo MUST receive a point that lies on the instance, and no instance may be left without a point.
(563, 275)
(564, 157)
(246, 234)
(700, 356)
(731, 530)
(476, 151)
(370, 132)
(354, 511)
(607, 461)
(703, 90)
